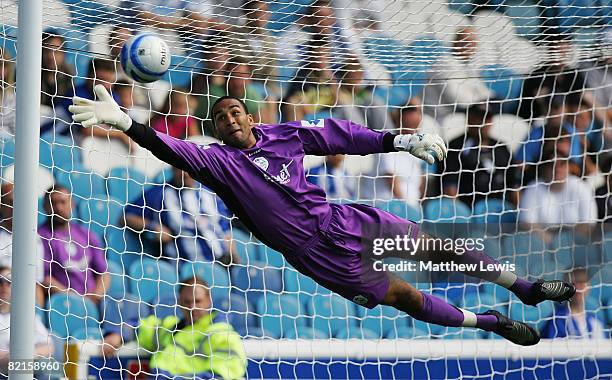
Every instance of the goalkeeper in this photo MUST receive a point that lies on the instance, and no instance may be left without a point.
(259, 174)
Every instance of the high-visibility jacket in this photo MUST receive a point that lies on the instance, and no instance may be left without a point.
(205, 346)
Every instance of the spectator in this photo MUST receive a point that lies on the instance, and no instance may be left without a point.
(209, 85)
(603, 196)
(43, 345)
(558, 197)
(57, 73)
(457, 79)
(356, 100)
(555, 77)
(261, 45)
(238, 83)
(101, 72)
(6, 239)
(478, 166)
(571, 320)
(74, 258)
(314, 92)
(394, 175)
(332, 178)
(201, 344)
(184, 220)
(175, 117)
(7, 87)
(117, 37)
(578, 122)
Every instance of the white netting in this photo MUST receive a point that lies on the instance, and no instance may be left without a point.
(535, 72)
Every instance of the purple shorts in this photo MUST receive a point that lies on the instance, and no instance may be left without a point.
(336, 258)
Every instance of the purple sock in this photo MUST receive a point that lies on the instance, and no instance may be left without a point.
(436, 310)
(521, 287)
(486, 322)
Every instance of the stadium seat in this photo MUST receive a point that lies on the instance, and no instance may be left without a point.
(273, 258)
(88, 334)
(479, 303)
(127, 310)
(446, 210)
(357, 333)
(7, 152)
(500, 294)
(408, 332)
(240, 313)
(125, 184)
(214, 274)
(248, 248)
(302, 286)
(526, 18)
(401, 209)
(505, 84)
(537, 315)
(82, 183)
(123, 247)
(279, 314)
(494, 211)
(117, 287)
(59, 152)
(149, 278)
(255, 279)
(306, 332)
(429, 329)
(332, 313)
(166, 305)
(69, 314)
(382, 319)
(101, 215)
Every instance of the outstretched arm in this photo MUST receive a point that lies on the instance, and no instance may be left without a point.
(332, 136)
(181, 154)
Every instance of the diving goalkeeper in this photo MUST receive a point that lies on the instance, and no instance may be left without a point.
(259, 174)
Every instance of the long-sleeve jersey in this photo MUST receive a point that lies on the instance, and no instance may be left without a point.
(265, 186)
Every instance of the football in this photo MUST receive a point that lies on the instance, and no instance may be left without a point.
(145, 58)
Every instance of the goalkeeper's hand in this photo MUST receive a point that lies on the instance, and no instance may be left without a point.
(102, 111)
(425, 146)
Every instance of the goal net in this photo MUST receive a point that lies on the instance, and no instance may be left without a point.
(519, 90)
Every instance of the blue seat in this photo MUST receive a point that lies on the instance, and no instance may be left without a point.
(125, 184)
(7, 152)
(100, 215)
(537, 315)
(117, 287)
(500, 294)
(519, 247)
(119, 313)
(166, 305)
(526, 18)
(479, 302)
(357, 333)
(401, 209)
(81, 182)
(239, 312)
(59, 152)
(123, 247)
(302, 286)
(408, 332)
(248, 248)
(149, 278)
(273, 258)
(69, 314)
(255, 279)
(429, 328)
(332, 313)
(305, 332)
(382, 319)
(494, 211)
(87, 334)
(214, 274)
(446, 210)
(280, 314)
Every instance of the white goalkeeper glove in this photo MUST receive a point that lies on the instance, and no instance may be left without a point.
(422, 145)
(102, 111)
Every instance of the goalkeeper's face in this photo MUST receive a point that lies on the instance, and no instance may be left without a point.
(232, 124)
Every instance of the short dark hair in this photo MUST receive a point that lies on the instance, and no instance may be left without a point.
(193, 281)
(99, 64)
(53, 189)
(243, 104)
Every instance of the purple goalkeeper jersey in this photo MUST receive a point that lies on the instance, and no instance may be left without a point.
(265, 186)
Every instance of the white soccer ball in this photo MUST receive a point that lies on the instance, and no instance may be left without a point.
(145, 58)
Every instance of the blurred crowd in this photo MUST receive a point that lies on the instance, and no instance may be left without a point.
(549, 162)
